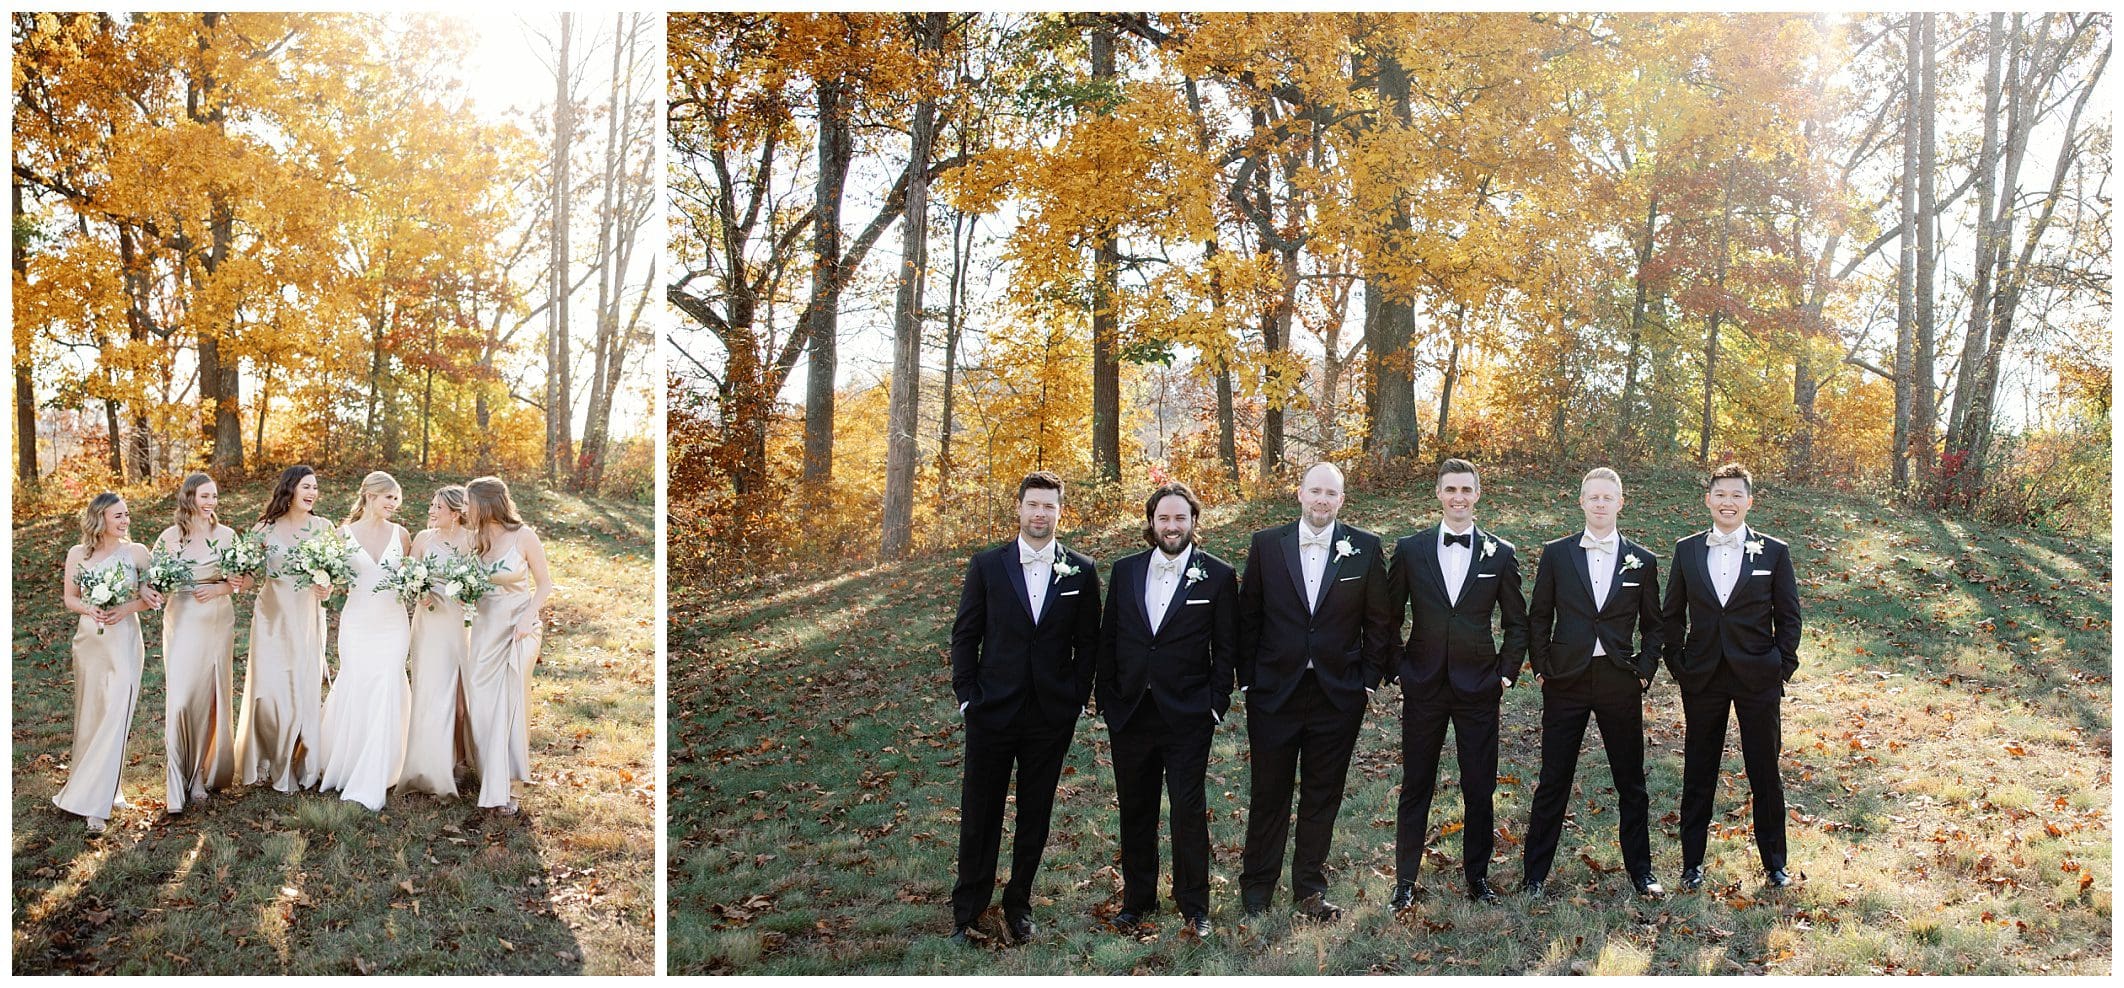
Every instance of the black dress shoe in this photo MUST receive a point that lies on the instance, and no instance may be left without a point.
(1199, 925)
(1316, 907)
(962, 937)
(1692, 878)
(1648, 887)
(1778, 878)
(1534, 889)
(1021, 927)
(1255, 909)
(1479, 890)
(1127, 920)
(1405, 895)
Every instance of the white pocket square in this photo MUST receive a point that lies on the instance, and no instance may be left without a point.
(1761, 572)
(1486, 576)
(1192, 603)
(1629, 584)
(1347, 579)
(1070, 593)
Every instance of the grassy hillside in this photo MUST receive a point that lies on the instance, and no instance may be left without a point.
(1947, 762)
(260, 882)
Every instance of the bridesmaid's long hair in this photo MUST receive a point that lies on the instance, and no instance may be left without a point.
(92, 527)
(490, 501)
(376, 483)
(283, 494)
(189, 514)
(453, 498)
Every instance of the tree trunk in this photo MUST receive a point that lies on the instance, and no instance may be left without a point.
(1923, 343)
(25, 379)
(1105, 317)
(955, 300)
(1718, 311)
(836, 149)
(558, 420)
(1445, 392)
(1626, 432)
(903, 417)
(1393, 330)
(1986, 250)
(1906, 266)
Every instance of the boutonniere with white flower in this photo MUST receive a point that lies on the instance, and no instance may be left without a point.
(1489, 547)
(1195, 574)
(1344, 548)
(1631, 562)
(1063, 567)
(1754, 547)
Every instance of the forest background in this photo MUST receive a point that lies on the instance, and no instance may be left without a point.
(366, 241)
(915, 257)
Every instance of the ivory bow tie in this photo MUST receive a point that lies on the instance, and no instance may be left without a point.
(1604, 545)
(1029, 558)
(1166, 567)
(1727, 538)
(1320, 540)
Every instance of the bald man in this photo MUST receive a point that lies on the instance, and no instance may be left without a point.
(1315, 632)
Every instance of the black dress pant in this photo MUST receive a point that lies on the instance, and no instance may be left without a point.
(1148, 749)
(1609, 695)
(1036, 751)
(1308, 743)
(1423, 731)
(1704, 715)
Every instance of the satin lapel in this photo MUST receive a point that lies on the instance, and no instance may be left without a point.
(1141, 575)
(1333, 568)
(1747, 564)
(1016, 571)
(1623, 547)
(1289, 543)
(1582, 564)
(1431, 565)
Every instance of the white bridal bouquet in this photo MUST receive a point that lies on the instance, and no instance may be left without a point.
(167, 571)
(324, 559)
(245, 555)
(104, 587)
(411, 578)
(463, 578)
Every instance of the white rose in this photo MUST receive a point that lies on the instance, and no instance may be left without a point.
(452, 589)
(100, 596)
(320, 577)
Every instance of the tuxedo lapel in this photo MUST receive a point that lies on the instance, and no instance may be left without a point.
(1015, 570)
(1289, 543)
(1431, 566)
(1624, 548)
(1141, 575)
(1582, 564)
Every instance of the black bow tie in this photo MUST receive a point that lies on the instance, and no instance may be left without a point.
(1467, 539)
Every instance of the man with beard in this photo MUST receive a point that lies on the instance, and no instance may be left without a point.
(1166, 649)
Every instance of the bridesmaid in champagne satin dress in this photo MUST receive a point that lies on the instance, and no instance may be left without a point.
(107, 665)
(439, 739)
(199, 652)
(280, 720)
(505, 640)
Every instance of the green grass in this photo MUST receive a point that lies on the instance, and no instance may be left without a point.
(1947, 764)
(262, 882)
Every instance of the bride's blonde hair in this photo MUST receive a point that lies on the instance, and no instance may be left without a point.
(372, 485)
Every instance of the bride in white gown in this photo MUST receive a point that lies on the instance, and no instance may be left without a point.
(367, 711)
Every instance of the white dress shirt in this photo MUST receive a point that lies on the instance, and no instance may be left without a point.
(1725, 562)
(1039, 573)
(1600, 565)
(1162, 581)
(1313, 549)
(1453, 561)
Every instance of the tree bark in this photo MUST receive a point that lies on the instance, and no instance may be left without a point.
(25, 380)
(1923, 343)
(1995, 45)
(1392, 329)
(558, 420)
(1105, 317)
(836, 150)
(903, 417)
(1906, 265)
(1718, 311)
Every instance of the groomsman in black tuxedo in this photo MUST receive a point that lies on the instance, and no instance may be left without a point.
(1166, 650)
(1023, 651)
(1315, 633)
(1596, 594)
(1732, 619)
(1453, 577)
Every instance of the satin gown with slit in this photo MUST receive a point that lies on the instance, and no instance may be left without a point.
(499, 693)
(280, 720)
(198, 674)
(439, 739)
(106, 687)
(365, 715)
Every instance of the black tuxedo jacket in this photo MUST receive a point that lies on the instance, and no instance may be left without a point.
(1002, 662)
(1450, 643)
(1188, 661)
(1348, 635)
(1756, 632)
(1566, 624)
